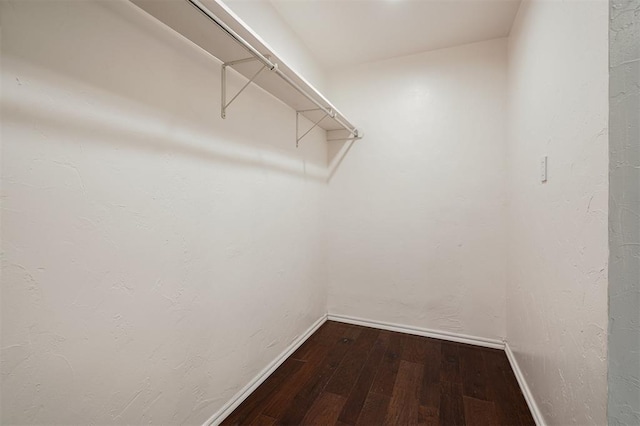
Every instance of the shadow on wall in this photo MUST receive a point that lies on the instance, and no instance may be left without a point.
(337, 151)
(134, 134)
(181, 118)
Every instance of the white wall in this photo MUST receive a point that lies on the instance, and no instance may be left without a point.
(417, 208)
(557, 282)
(624, 214)
(155, 258)
(262, 17)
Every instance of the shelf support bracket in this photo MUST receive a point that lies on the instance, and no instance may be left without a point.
(224, 104)
(298, 136)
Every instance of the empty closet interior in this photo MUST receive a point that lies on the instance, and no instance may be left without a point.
(199, 197)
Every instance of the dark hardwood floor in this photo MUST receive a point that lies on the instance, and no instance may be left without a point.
(350, 375)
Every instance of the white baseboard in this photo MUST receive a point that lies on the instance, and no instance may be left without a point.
(454, 337)
(528, 396)
(238, 398)
(418, 331)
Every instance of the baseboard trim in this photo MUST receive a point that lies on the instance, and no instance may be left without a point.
(528, 396)
(238, 398)
(419, 331)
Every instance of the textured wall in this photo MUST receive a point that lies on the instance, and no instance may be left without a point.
(417, 208)
(155, 258)
(557, 282)
(624, 213)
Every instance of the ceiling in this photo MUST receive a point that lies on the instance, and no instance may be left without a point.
(348, 32)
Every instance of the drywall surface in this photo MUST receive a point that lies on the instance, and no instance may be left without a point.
(265, 20)
(557, 282)
(155, 257)
(417, 208)
(624, 213)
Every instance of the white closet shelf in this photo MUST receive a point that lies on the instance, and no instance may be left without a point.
(212, 26)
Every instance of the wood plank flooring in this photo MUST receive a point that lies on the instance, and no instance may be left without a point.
(351, 375)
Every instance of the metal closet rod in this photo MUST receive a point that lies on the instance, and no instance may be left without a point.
(272, 66)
